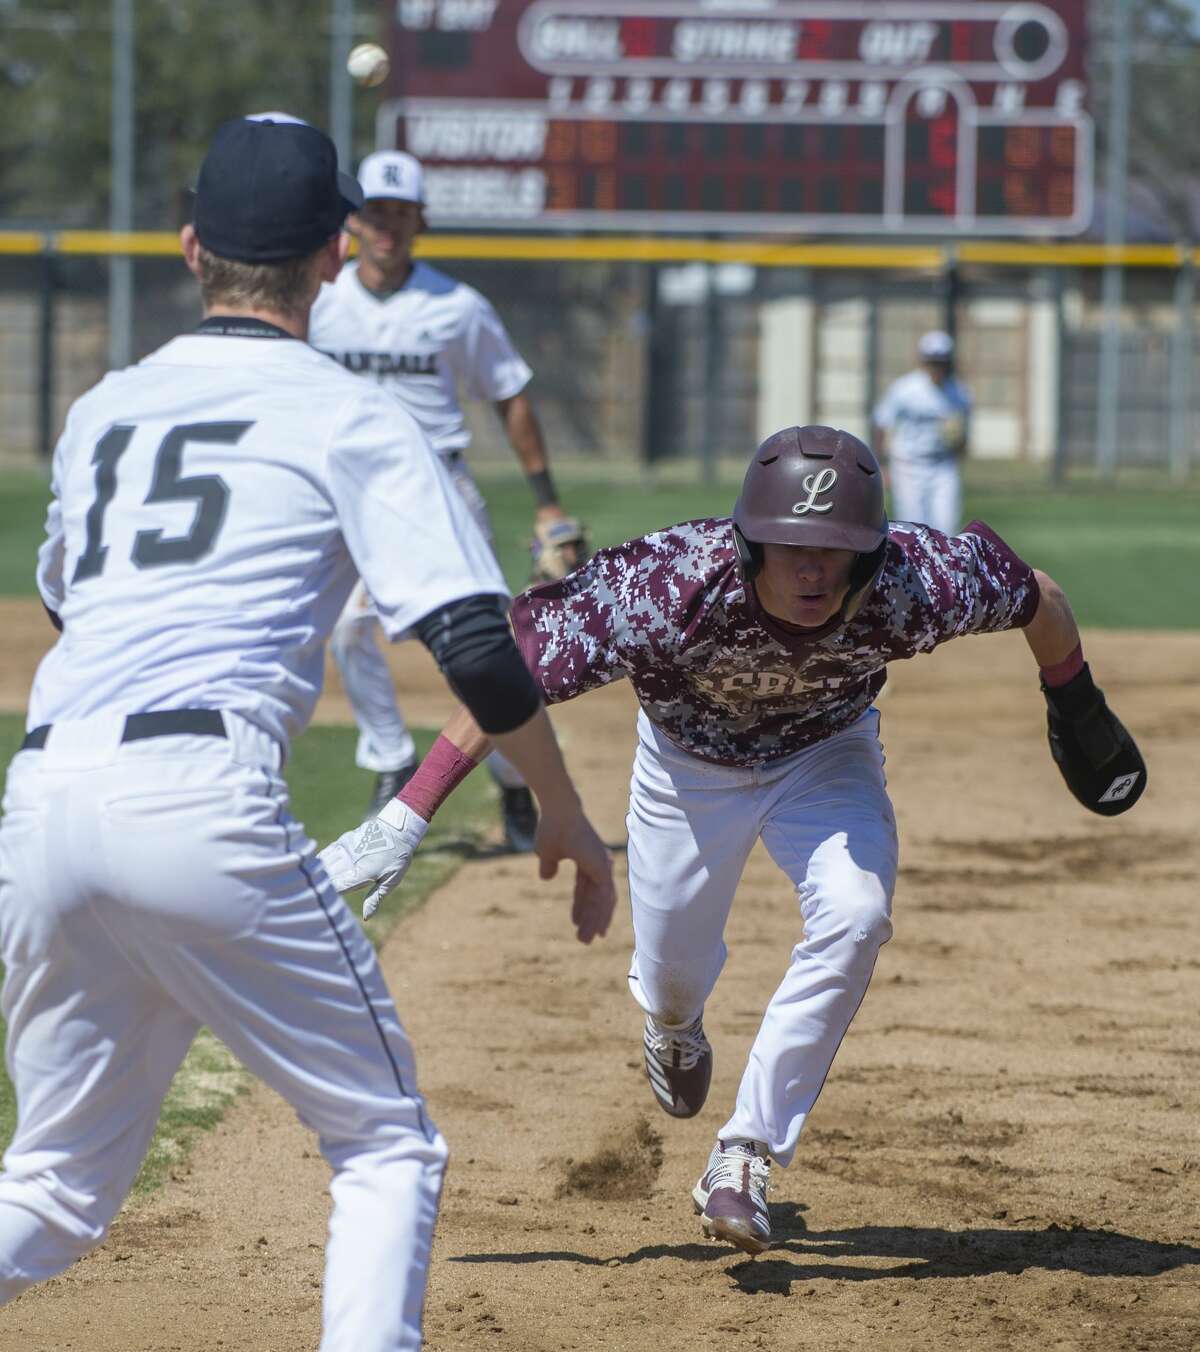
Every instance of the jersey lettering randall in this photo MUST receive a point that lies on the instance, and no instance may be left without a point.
(388, 363)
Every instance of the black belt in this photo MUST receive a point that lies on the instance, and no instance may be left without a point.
(156, 723)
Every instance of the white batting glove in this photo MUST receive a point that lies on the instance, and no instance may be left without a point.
(376, 854)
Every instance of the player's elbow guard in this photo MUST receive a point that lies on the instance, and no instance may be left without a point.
(472, 644)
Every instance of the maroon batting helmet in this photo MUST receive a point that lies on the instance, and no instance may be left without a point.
(815, 486)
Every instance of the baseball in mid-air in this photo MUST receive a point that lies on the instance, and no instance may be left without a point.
(368, 64)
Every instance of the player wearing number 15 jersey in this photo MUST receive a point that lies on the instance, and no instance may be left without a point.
(212, 508)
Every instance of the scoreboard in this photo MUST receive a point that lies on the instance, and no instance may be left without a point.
(929, 117)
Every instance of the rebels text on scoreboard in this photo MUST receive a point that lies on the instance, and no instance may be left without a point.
(720, 115)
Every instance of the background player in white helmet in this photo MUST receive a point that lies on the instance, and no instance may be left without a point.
(429, 340)
(756, 646)
(212, 507)
(922, 423)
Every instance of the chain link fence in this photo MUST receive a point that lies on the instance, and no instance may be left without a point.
(690, 362)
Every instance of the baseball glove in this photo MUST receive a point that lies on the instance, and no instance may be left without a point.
(1095, 755)
(953, 432)
(557, 547)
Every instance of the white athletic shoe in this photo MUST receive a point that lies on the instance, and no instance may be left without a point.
(731, 1195)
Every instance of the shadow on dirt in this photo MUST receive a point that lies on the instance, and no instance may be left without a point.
(470, 849)
(918, 1251)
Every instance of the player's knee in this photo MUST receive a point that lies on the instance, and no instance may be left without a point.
(855, 921)
(391, 1147)
(868, 920)
(41, 1234)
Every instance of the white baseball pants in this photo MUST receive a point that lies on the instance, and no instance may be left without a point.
(152, 887)
(928, 491)
(826, 820)
(384, 741)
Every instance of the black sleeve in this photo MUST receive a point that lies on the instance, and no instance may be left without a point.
(54, 617)
(472, 644)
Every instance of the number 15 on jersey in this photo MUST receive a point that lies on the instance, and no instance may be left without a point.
(167, 483)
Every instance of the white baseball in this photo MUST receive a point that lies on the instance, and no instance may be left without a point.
(368, 64)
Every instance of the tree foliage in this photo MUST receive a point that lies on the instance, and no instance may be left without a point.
(1164, 104)
(197, 62)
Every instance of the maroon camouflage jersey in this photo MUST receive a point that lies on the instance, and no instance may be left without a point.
(722, 679)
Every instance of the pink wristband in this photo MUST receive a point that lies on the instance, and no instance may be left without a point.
(1061, 672)
(438, 775)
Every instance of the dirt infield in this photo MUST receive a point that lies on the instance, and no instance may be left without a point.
(1005, 1156)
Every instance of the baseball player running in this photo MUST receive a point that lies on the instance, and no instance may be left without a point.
(212, 507)
(756, 646)
(424, 336)
(922, 423)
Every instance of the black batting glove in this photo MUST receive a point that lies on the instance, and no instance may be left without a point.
(1096, 756)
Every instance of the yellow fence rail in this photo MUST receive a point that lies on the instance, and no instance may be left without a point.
(644, 249)
(21, 242)
(138, 243)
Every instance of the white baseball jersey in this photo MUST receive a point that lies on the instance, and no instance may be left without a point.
(426, 343)
(913, 411)
(212, 507)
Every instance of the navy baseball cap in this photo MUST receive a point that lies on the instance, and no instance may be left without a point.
(269, 191)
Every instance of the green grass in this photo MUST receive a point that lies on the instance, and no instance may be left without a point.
(209, 1080)
(328, 795)
(1126, 555)
(1126, 560)
(23, 497)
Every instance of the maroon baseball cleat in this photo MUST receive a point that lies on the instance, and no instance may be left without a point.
(731, 1197)
(678, 1066)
